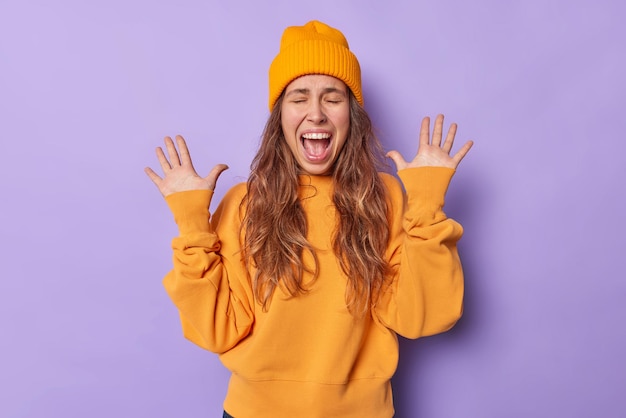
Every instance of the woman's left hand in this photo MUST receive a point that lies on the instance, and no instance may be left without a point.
(433, 153)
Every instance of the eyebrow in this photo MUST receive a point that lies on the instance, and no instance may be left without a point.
(308, 91)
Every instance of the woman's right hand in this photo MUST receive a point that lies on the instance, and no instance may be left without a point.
(178, 172)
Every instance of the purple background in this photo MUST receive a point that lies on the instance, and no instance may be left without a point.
(88, 90)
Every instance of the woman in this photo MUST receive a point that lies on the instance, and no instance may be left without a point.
(303, 277)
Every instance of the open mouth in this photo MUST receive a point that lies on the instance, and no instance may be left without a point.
(316, 145)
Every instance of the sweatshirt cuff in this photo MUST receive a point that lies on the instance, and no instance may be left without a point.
(426, 188)
(191, 210)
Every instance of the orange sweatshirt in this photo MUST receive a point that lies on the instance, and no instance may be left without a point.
(307, 356)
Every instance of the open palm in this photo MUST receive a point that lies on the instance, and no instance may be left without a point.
(433, 153)
(178, 172)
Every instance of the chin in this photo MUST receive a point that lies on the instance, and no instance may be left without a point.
(317, 170)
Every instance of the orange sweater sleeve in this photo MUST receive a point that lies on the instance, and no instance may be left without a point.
(208, 283)
(425, 296)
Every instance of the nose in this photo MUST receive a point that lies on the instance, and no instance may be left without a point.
(316, 113)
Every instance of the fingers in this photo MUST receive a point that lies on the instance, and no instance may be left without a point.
(447, 144)
(212, 177)
(462, 152)
(165, 165)
(156, 179)
(432, 152)
(438, 134)
(185, 158)
(398, 160)
(174, 160)
(438, 130)
(425, 132)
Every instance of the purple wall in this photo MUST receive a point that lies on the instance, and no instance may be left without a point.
(88, 90)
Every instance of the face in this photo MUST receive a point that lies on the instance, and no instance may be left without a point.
(315, 121)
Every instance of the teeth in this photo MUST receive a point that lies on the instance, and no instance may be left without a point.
(316, 135)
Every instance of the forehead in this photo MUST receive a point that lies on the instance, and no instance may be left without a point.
(313, 82)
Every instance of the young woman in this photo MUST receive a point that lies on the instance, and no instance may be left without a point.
(303, 276)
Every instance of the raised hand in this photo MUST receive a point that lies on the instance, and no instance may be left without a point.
(433, 153)
(178, 172)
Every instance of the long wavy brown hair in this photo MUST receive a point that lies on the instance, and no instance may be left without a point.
(275, 224)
